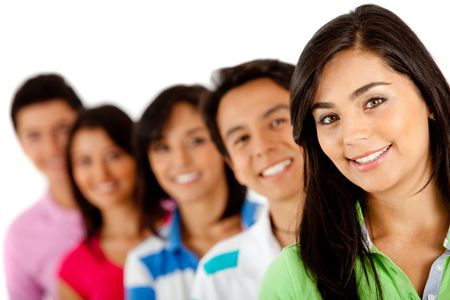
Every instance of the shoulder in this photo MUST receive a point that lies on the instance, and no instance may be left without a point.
(285, 263)
(76, 264)
(82, 260)
(291, 253)
(147, 262)
(144, 258)
(230, 253)
(224, 255)
(136, 274)
(287, 278)
(24, 225)
(148, 247)
(77, 257)
(30, 214)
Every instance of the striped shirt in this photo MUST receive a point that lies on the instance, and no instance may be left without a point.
(162, 267)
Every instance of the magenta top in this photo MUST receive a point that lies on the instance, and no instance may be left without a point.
(34, 245)
(91, 274)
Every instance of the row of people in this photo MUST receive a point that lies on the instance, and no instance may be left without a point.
(175, 191)
(361, 180)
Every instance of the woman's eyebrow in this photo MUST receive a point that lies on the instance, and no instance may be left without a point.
(358, 92)
(366, 87)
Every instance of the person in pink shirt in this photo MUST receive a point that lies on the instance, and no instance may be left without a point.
(102, 171)
(42, 112)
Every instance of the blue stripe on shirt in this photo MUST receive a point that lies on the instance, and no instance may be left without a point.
(249, 213)
(140, 293)
(222, 262)
(165, 262)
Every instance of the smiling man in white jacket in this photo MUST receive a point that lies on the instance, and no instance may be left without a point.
(248, 118)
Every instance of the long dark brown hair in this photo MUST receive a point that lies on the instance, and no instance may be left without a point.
(118, 126)
(330, 234)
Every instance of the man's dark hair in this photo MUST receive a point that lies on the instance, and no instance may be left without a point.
(43, 88)
(226, 79)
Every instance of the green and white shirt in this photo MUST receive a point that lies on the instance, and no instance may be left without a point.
(287, 277)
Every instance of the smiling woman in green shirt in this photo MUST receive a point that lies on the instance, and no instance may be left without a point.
(371, 109)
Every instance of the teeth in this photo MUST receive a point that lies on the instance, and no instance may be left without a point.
(186, 177)
(105, 187)
(278, 168)
(371, 157)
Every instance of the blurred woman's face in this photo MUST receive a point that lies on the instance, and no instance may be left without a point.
(185, 162)
(104, 172)
(372, 122)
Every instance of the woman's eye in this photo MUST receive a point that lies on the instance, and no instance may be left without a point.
(374, 102)
(82, 161)
(328, 119)
(196, 141)
(277, 122)
(113, 155)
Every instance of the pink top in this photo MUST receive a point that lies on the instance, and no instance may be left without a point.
(91, 274)
(34, 244)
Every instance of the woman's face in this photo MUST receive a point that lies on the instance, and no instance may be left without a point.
(185, 162)
(104, 172)
(372, 122)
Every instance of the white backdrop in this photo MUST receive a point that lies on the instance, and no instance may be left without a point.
(125, 52)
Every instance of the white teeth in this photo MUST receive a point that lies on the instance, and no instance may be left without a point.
(186, 177)
(104, 187)
(278, 168)
(371, 157)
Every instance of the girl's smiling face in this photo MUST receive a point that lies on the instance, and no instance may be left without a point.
(104, 172)
(184, 160)
(372, 122)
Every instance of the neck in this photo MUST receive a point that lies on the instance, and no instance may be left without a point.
(409, 215)
(120, 231)
(63, 195)
(121, 221)
(201, 228)
(198, 216)
(285, 215)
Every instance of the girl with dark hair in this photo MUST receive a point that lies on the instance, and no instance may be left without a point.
(372, 111)
(102, 171)
(177, 160)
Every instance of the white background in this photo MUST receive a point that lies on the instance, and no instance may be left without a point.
(125, 52)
